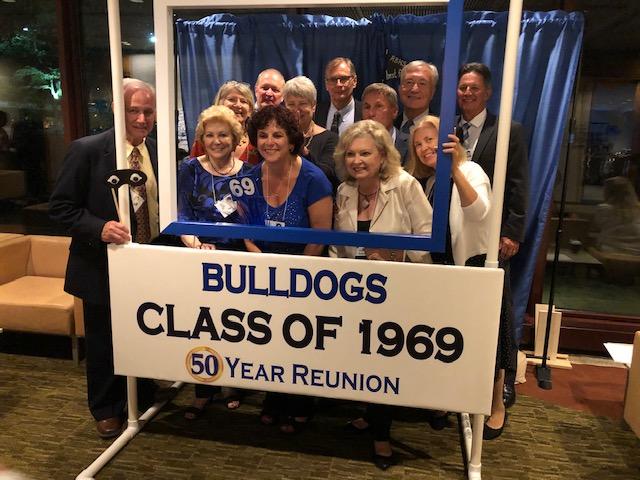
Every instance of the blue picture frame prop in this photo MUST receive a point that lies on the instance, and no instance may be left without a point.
(434, 243)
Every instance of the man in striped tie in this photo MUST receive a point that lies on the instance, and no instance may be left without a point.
(479, 136)
(81, 201)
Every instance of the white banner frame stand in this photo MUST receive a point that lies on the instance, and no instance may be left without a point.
(471, 428)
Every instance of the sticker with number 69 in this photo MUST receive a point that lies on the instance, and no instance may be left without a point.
(242, 187)
(204, 364)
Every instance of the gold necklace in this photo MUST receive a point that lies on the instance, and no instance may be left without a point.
(308, 135)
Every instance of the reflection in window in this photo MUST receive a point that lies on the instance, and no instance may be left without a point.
(31, 128)
(599, 262)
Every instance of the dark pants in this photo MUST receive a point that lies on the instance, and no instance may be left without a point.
(287, 405)
(379, 417)
(510, 365)
(106, 392)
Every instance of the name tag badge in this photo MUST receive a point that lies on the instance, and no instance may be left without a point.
(226, 206)
(136, 200)
(274, 223)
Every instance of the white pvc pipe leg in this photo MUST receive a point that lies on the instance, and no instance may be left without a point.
(135, 425)
(475, 459)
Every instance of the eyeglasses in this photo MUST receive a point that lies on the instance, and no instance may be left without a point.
(342, 80)
(409, 84)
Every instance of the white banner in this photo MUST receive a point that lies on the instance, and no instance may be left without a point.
(383, 332)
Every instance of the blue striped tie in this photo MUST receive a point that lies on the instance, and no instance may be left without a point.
(465, 139)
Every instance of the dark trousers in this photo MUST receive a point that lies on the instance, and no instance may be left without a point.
(379, 417)
(511, 364)
(287, 405)
(106, 392)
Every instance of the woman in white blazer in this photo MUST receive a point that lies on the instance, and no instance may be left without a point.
(377, 196)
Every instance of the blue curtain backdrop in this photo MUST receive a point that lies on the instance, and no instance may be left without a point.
(224, 47)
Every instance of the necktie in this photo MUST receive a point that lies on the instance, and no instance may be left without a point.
(335, 124)
(465, 138)
(406, 128)
(465, 133)
(143, 230)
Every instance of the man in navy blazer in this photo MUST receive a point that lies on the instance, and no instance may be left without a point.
(82, 202)
(380, 103)
(343, 110)
(481, 129)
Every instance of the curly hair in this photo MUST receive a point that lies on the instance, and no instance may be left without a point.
(383, 141)
(283, 118)
(219, 113)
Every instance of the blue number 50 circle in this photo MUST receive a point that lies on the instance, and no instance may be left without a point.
(204, 364)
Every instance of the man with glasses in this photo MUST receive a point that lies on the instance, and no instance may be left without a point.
(418, 80)
(340, 79)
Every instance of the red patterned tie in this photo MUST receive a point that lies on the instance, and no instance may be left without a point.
(143, 230)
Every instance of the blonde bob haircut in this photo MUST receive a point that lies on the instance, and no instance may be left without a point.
(414, 166)
(231, 86)
(381, 138)
(219, 113)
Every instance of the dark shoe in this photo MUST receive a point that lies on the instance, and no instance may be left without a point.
(509, 395)
(439, 421)
(109, 427)
(193, 413)
(351, 428)
(489, 433)
(384, 463)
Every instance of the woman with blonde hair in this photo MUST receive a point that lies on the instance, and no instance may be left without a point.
(238, 97)
(377, 195)
(204, 196)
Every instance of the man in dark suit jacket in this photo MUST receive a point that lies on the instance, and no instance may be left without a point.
(479, 139)
(82, 202)
(380, 103)
(340, 79)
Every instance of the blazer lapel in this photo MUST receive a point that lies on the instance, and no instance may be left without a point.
(351, 206)
(109, 153)
(488, 131)
(383, 198)
(153, 153)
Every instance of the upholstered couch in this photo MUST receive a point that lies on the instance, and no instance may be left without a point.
(632, 396)
(32, 296)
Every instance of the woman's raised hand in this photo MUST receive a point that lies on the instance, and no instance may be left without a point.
(454, 148)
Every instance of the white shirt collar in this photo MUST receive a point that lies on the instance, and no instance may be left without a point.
(348, 107)
(477, 121)
(416, 119)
